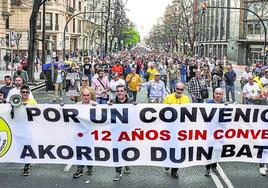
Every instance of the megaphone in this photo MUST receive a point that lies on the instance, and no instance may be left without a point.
(15, 101)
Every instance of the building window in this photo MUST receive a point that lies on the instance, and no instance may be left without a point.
(38, 21)
(7, 23)
(257, 28)
(79, 26)
(56, 22)
(250, 28)
(48, 21)
(73, 25)
(79, 6)
(74, 4)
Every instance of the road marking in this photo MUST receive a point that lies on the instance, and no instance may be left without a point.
(224, 177)
(67, 167)
(216, 180)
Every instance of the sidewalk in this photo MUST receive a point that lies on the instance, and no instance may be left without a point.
(39, 83)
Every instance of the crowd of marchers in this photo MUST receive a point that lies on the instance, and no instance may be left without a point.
(168, 79)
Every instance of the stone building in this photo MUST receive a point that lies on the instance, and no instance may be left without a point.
(79, 31)
(5, 12)
(219, 30)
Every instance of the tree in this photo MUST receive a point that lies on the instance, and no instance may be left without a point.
(130, 36)
(32, 38)
(179, 25)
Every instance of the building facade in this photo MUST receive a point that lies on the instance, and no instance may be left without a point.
(79, 33)
(219, 30)
(251, 40)
(236, 34)
(5, 12)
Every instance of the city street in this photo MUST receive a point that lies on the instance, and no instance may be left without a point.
(231, 174)
(100, 53)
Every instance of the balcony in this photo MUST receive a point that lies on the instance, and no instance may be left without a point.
(70, 9)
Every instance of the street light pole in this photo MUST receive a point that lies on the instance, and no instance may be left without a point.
(65, 28)
(260, 19)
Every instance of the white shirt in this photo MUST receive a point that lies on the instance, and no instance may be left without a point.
(245, 75)
(263, 82)
(211, 66)
(16, 91)
(90, 102)
(251, 90)
(113, 85)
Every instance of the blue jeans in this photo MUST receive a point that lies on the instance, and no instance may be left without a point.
(172, 84)
(183, 78)
(101, 101)
(132, 94)
(230, 88)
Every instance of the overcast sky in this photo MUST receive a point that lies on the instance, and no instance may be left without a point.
(144, 13)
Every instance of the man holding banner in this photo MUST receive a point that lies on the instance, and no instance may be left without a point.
(86, 99)
(217, 99)
(121, 98)
(25, 93)
(176, 98)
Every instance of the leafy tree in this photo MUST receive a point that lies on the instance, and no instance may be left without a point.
(130, 36)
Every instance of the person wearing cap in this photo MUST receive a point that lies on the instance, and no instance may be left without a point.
(133, 81)
(156, 89)
(115, 82)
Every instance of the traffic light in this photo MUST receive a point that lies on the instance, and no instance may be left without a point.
(204, 6)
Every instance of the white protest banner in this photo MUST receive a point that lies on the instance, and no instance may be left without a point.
(126, 134)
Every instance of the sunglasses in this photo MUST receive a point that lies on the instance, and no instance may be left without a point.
(86, 95)
(179, 89)
(84, 80)
(25, 92)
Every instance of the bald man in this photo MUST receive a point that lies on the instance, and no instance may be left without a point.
(178, 97)
(218, 99)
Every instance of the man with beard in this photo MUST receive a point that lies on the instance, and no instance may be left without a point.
(22, 73)
(19, 81)
(7, 87)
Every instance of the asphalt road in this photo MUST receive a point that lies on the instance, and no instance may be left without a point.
(50, 176)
